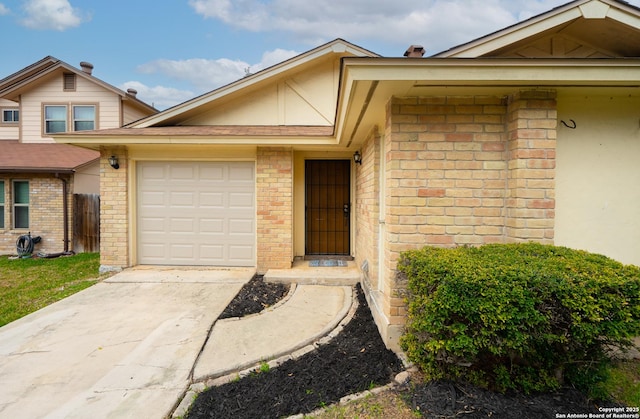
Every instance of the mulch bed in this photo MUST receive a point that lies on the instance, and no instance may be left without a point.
(354, 361)
(444, 399)
(254, 296)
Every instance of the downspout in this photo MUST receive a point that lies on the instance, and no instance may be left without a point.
(65, 212)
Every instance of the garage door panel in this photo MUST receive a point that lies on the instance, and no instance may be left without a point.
(241, 226)
(196, 213)
(182, 251)
(182, 199)
(240, 174)
(181, 172)
(240, 253)
(241, 200)
(153, 250)
(216, 174)
(152, 198)
(211, 200)
(211, 225)
(182, 225)
(152, 225)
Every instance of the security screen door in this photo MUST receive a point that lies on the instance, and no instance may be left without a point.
(328, 207)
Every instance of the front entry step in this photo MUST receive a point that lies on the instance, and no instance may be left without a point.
(302, 273)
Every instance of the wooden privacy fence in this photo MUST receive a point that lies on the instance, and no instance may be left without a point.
(86, 223)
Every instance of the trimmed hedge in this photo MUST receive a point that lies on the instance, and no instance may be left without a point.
(527, 317)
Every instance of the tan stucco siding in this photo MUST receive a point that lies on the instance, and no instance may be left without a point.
(597, 191)
(305, 98)
(52, 92)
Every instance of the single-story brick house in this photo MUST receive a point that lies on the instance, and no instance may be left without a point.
(529, 133)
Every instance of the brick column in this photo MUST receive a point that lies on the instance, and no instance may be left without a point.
(114, 204)
(274, 178)
(367, 208)
(532, 122)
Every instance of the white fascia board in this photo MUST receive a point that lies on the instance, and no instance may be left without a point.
(499, 72)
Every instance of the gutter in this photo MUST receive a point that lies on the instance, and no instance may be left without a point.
(36, 170)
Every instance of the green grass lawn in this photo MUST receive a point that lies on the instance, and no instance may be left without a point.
(27, 285)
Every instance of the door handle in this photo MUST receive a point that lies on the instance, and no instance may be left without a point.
(346, 209)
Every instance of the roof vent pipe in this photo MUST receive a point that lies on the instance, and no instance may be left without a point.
(132, 92)
(86, 67)
(414, 51)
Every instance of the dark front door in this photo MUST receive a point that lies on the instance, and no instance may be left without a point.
(328, 206)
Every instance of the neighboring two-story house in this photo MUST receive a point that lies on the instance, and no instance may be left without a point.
(39, 178)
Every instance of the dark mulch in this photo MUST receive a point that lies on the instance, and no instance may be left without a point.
(443, 399)
(254, 296)
(354, 361)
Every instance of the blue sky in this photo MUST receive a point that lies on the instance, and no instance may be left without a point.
(173, 50)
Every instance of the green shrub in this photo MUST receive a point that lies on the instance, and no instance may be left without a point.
(518, 316)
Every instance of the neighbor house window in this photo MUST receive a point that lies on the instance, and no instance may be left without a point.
(20, 204)
(10, 116)
(84, 117)
(55, 119)
(1, 204)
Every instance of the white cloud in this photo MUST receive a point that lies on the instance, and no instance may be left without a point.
(56, 15)
(4, 10)
(436, 24)
(203, 74)
(158, 96)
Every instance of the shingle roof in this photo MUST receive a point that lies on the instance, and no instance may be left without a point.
(39, 157)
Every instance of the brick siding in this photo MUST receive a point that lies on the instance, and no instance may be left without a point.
(367, 208)
(531, 166)
(114, 222)
(45, 213)
(465, 170)
(274, 179)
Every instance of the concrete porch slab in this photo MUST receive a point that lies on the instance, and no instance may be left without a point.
(303, 274)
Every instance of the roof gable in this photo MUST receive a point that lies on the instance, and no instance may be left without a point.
(23, 80)
(273, 95)
(580, 29)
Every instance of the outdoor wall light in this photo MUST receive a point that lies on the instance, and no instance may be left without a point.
(357, 158)
(113, 162)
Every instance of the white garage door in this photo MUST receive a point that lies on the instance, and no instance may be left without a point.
(196, 213)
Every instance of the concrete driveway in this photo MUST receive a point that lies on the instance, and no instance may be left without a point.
(124, 348)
